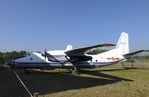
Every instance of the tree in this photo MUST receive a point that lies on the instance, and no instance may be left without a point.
(6, 56)
(96, 51)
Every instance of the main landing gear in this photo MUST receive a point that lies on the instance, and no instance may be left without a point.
(26, 71)
(75, 71)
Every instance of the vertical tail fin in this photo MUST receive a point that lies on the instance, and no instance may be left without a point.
(123, 43)
(68, 48)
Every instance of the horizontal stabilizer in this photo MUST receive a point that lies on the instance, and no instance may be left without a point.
(82, 51)
(133, 53)
(68, 48)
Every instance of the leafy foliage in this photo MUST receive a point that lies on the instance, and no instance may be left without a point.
(5, 56)
(145, 57)
(96, 51)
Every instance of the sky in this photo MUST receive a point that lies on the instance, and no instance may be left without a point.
(34, 25)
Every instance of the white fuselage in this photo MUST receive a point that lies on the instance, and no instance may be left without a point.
(36, 60)
(61, 58)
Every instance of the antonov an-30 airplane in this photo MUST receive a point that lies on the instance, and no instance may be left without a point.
(77, 58)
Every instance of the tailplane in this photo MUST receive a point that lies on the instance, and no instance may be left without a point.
(123, 43)
(68, 48)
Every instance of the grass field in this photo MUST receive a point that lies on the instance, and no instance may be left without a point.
(112, 81)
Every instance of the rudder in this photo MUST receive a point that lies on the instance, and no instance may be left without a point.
(123, 43)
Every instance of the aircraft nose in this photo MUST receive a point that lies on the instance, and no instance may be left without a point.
(11, 63)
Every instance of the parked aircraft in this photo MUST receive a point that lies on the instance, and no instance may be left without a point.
(77, 58)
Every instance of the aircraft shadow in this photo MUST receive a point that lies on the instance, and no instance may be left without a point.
(51, 82)
(45, 82)
(117, 69)
(97, 73)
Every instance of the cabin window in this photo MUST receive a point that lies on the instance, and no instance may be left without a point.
(31, 59)
(96, 60)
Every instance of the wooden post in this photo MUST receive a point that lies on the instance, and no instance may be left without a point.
(123, 64)
(131, 64)
(36, 94)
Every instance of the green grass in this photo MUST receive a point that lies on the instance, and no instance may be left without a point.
(128, 83)
(137, 85)
(112, 81)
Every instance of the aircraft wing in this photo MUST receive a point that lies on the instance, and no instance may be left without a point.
(82, 51)
(79, 54)
(133, 53)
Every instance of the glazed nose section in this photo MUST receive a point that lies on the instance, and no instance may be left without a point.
(11, 63)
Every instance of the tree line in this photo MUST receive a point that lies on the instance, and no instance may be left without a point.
(96, 51)
(6, 56)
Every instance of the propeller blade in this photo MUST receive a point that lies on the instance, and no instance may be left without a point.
(45, 54)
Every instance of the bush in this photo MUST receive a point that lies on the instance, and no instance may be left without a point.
(6, 56)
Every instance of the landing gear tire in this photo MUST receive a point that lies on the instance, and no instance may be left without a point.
(26, 71)
(75, 71)
(12, 66)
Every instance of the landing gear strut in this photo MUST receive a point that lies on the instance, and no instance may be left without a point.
(75, 71)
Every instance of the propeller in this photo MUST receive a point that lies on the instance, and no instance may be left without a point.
(50, 57)
(45, 54)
